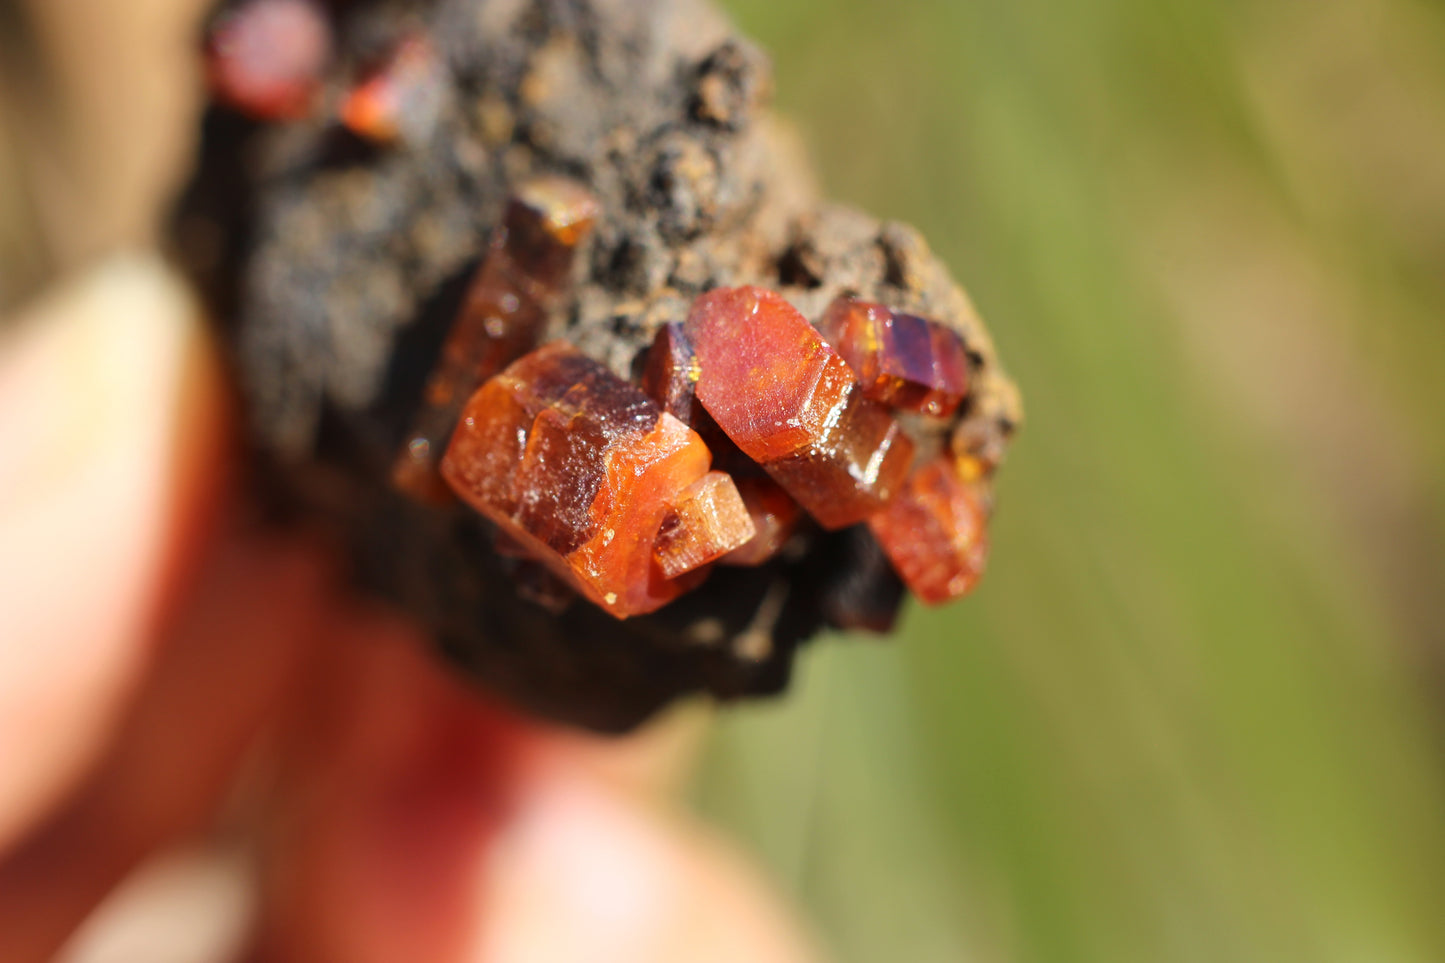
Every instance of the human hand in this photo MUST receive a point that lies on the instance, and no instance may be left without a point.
(163, 659)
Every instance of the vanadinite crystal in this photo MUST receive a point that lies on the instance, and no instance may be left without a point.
(400, 98)
(935, 533)
(791, 403)
(708, 521)
(524, 272)
(669, 377)
(581, 470)
(902, 360)
(265, 58)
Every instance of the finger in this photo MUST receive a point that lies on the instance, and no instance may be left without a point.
(109, 415)
(233, 657)
(653, 764)
(417, 823)
(586, 872)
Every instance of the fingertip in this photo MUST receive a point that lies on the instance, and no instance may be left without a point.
(590, 872)
(112, 424)
(234, 655)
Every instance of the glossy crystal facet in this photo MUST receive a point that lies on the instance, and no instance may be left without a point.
(935, 533)
(502, 317)
(902, 360)
(708, 521)
(579, 469)
(791, 403)
(669, 375)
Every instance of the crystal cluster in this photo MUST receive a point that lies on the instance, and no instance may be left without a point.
(588, 476)
(792, 404)
(748, 424)
(902, 360)
(381, 228)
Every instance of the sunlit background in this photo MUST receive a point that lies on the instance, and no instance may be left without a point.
(1194, 711)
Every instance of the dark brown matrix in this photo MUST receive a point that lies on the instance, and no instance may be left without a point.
(336, 266)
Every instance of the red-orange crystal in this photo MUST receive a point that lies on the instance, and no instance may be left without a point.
(791, 403)
(669, 376)
(775, 518)
(579, 468)
(505, 310)
(902, 360)
(707, 522)
(265, 58)
(400, 98)
(935, 533)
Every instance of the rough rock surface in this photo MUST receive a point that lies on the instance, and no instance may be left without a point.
(335, 266)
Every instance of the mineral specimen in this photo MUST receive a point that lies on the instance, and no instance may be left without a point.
(791, 404)
(935, 533)
(265, 58)
(399, 98)
(524, 271)
(581, 470)
(902, 360)
(336, 262)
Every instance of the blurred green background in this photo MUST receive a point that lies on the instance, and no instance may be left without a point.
(1194, 712)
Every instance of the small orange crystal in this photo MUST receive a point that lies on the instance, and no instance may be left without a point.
(265, 58)
(935, 533)
(398, 99)
(902, 360)
(791, 403)
(707, 522)
(580, 469)
(502, 318)
(669, 376)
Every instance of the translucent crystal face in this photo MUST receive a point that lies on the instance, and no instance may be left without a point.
(775, 517)
(902, 360)
(792, 404)
(709, 521)
(935, 533)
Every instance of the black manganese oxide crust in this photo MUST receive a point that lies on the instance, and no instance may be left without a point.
(334, 267)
